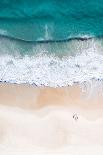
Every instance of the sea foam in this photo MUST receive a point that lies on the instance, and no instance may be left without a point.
(48, 70)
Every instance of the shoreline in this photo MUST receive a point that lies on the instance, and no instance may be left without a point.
(29, 96)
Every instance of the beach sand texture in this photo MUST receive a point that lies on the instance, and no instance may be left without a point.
(51, 120)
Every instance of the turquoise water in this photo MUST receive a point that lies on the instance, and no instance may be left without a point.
(51, 42)
(37, 20)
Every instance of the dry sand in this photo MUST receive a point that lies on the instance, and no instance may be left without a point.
(51, 120)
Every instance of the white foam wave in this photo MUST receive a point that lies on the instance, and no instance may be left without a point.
(51, 71)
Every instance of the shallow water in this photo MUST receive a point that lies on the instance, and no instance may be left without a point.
(51, 64)
(51, 47)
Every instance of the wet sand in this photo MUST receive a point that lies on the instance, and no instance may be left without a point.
(51, 120)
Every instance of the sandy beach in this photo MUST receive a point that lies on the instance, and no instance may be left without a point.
(51, 120)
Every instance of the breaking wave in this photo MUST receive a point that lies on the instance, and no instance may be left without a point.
(51, 64)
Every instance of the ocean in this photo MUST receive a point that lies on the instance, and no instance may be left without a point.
(51, 77)
(51, 42)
